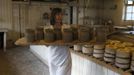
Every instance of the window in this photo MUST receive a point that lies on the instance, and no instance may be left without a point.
(129, 10)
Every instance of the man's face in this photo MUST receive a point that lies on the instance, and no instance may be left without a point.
(58, 17)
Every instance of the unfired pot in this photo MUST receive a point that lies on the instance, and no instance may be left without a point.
(58, 34)
(83, 35)
(30, 35)
(39, 34)
(49, 35)
(67, 35)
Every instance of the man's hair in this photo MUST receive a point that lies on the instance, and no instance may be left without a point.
(54, 12)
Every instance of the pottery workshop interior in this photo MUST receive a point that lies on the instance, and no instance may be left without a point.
(66, 37)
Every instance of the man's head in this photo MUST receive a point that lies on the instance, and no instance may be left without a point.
(56, 16)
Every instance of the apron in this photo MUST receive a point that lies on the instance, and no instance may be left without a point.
(59, 60)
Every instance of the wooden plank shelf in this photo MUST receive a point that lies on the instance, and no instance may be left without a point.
(122, 37)
(61, 42)
(23, 42)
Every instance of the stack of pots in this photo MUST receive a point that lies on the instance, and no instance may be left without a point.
(98, 51)
(78, 48)
(132, 62)
(122, 59)
(39, 33)
(67, 35)
(49, 35)
(109, 55)
(30, 35)
(87, 49)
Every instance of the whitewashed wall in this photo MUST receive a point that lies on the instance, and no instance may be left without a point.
(6, 15)
(115, 14)
(93, 9)
(20, 19)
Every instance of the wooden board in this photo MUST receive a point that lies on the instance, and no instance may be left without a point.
(121, 37)
(23, 42)
(61, 42)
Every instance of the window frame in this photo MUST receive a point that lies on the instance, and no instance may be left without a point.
(132, 12)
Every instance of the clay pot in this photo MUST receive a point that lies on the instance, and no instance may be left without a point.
(49, 35)
(83, 35)
(123, 66)
(58, 34)
(132, 61)
(123, 53)
(39, 34)
(30, 35)
(75, 33)
(132, 55)
(67, 35)
(132, 65)
(110, 60)
(110, 51)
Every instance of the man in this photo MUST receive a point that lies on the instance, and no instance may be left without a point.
(59, 57)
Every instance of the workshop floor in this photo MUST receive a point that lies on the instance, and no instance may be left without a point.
(20, 61)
